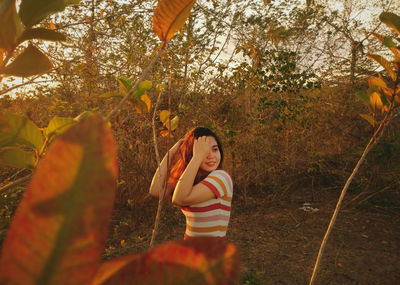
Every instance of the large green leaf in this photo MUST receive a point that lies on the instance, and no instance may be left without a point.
(170, 16)
(58, 232)
(10, 25)
(30, 62)
(142, 88)
(193, 261)
(391, 20)
(58, 125)
(43, 34)
(16, 157)
(17, 129)
(33, 11)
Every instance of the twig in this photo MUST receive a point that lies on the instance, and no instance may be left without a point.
(162, 190)
(15, 183)
(23, 84)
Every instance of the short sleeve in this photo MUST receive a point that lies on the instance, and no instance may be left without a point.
(220, 183)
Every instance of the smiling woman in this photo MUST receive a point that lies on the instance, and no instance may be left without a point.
(197, 183)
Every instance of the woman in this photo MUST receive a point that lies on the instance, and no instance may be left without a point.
(197, 183)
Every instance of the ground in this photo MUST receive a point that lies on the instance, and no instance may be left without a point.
(279, 239)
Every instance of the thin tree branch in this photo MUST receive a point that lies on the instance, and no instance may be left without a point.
(31, 81)
(15, 183)
(162, 190)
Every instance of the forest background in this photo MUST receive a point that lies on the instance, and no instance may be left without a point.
(275, 80)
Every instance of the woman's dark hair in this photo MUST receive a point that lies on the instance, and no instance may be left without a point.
(185, 153)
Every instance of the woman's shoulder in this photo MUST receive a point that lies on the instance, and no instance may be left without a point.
(221, 174)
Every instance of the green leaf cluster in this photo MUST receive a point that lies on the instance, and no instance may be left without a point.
(169, 125)
(17, 27)
(22, 142)
(138, 99)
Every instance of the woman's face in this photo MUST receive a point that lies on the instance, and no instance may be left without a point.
(213, 158)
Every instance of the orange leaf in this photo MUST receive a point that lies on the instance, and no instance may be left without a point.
(60, 227)
(164, 133)
(169, 17)
(384, 63)
(52, 26)
(194, 261)
(145, 98)
(376, 101)
(142, 104)
(377, 82)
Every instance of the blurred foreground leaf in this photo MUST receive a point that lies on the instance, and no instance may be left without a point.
(10, 25)
(16, 157)
(17, 129)
(43, 34)
(193, 261)
(33, 11)
(391, 20)
(59, 230)
(30, 62)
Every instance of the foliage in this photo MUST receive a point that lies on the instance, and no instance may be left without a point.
(381, 97)
(69, 201)
(239, 67)
(23, 143)
(66, 210)
(18, 28)
(381, 91)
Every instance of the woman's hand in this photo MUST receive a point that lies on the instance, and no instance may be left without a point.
(201, 147)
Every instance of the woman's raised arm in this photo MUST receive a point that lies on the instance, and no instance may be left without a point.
(161, 174)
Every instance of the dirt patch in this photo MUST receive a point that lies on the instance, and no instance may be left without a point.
(279, 240)
(281, 243)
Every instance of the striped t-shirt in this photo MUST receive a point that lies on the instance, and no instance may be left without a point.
(211, 218)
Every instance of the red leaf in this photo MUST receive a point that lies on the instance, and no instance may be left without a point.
(194, 261)
(59, 230)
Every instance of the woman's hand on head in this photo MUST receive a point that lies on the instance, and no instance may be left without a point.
(201, 147)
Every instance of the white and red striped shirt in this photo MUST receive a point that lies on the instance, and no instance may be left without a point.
(211, 218)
